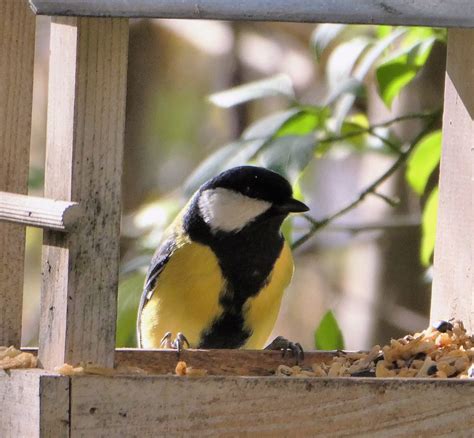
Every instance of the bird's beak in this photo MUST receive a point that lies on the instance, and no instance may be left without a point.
(292, 206)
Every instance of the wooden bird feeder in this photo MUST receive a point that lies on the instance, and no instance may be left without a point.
(80, 213)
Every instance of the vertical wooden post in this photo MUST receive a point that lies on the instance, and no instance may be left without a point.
(453, 284)
(17, 45)
(86, 116)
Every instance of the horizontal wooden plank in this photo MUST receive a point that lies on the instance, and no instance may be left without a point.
(455, 13)
(34, 403)
(38, 212)
(216, 362)
(150, 406)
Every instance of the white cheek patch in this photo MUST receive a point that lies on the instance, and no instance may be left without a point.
(226, 210)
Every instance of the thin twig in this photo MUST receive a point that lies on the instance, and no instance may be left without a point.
(372, 188)
(390, 144)
(371, 129)
(396, 222)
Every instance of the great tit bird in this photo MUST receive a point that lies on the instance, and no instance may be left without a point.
(219, 273)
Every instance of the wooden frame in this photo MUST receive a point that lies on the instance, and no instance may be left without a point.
(81, 216)
(228, 403)
(455, 13)
(453, 286)
(17, 42)
(86, 117)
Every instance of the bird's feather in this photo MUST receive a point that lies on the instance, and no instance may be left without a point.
(185, 295)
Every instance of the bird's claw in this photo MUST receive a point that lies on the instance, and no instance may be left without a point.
(166, 341)
(283, 344)
(178, 343)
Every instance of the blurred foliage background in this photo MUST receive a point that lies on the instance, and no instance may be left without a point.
(349, 114)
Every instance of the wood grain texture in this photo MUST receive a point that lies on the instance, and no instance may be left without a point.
(38, 212)
(54, 395)
(216, 362)
(17, 42)
(458, 13)
(270, 407)
(86, 113)
(33, 404)
(453, 285)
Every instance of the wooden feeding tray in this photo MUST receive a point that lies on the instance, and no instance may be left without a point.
(81, 216)
(238, 398)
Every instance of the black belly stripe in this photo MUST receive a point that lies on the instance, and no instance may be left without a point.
(246, 259)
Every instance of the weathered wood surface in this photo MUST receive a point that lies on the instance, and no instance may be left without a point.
(453, 285)
(33, 404)
(153, 406)
(17, 43)
(86, 112)
(38, 212)
(455, 13)
(216, 362)
(227, 362)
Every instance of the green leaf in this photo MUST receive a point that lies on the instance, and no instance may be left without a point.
(418, 34)
(358, 141)
(130, 289)
(234, 154)
(423, 161)
(397, 72)
(279, 85)
(428, 226)
(351, 87)
(383, 30)
(287, 229)
(304, 122)
(324, 35)
(328, 335)
(343, 59)
(239, 152)
(375, 52)
(362, 69)
(288, 155)
(269, 125)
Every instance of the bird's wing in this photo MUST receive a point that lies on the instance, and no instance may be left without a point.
(157, 264)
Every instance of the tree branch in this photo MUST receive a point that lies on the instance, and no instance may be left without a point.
(372, 128)
(316, 225)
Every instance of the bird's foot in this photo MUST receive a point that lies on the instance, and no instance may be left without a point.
(286, 346)
(178, 343)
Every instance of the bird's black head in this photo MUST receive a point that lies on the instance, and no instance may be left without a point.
(243, 197)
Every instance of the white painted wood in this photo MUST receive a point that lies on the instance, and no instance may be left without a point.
(17, 33)
(33, 404)
(453, 285)
(38, 212)
(457, 13)
(151, 406)
(86, 113)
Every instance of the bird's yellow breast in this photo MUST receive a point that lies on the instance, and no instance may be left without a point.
(261, 311)
(186, 298)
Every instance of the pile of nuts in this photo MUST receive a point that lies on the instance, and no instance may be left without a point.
(11, 358)
(441, 351)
